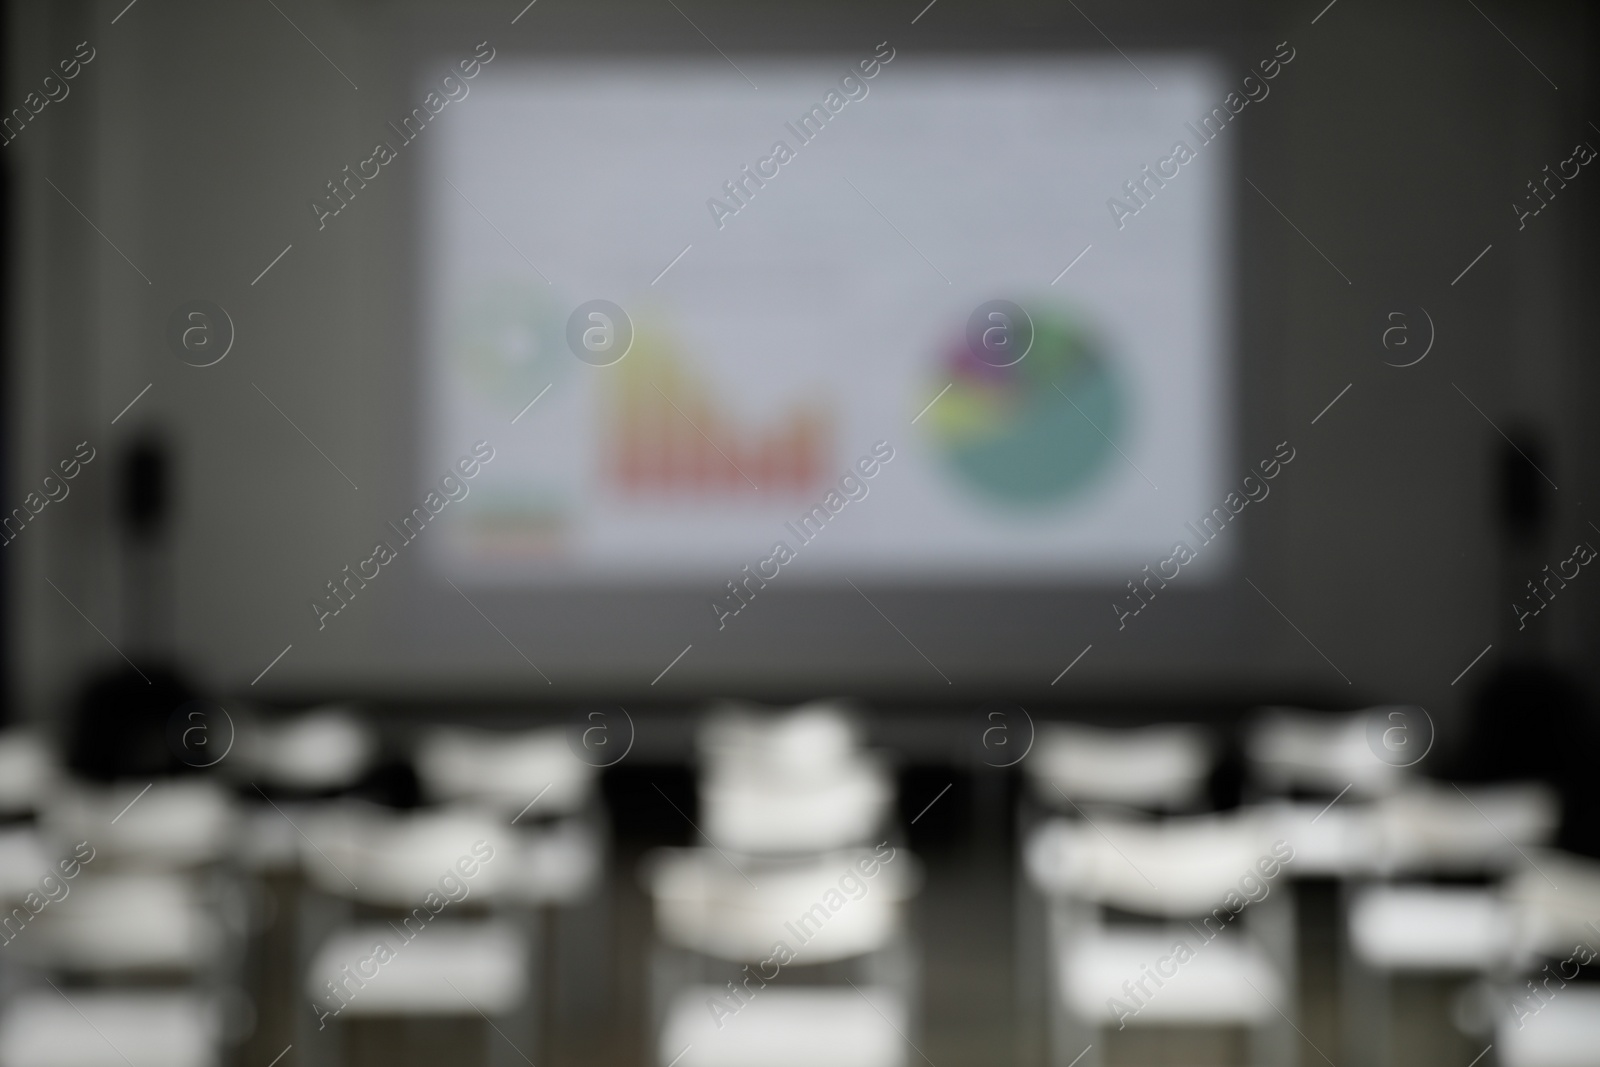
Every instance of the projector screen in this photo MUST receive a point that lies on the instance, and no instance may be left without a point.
(798, 345)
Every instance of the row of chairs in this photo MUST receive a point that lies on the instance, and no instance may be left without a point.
(246, 903)
(781, 938)
(202, 910)
(1434, 881)
(240, 911)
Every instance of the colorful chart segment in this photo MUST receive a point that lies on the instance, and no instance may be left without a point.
(1036, 433)
(670, 435)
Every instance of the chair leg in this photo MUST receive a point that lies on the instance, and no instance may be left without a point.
(320, 1043)
(1030, 961)
(1365, 999)
(316, 1046)
(668, 973)
(513, 1039)
(1276, 1043)
(1073, 1042)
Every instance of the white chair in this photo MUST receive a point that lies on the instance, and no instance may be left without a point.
(506, 770)
(1362, 820)
(1405, 933)
(1432, 929)
(1188, 876)
(1090, 771)
(174, 823)
(1565, 1033)
(1315, 752)
(141, 921)
(796, 807)
(1557, 901)
(842, 909)
(28, 771)
(113, 923)
(400, 855)
(1320, 778)
(1330, 842)
(1158, 768)
(300, 760)
(287, 768)
(28, 775)
(446, 968)
(441, 877)
(788, 1027)
(745, 813)
(33, 879)
(1174, 866)
(1556, 896)
(1225, 984)
(804, 741)
(530, 779)
(25, 858)
(43, 1028)
(1417, 943)
(537, 787)
(374, 855)
(1430, 827)
(556, 865)
(824, 906)
(319, 750)
(789, 782)
(156, 895)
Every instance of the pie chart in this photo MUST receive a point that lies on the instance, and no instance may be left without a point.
(1037, 433)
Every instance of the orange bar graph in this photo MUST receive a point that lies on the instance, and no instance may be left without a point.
(670, 437)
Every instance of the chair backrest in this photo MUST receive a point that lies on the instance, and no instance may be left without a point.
(28, 769)
(789, 782)
(1556, 897)
(25, 858)
(1435, 827)
(505, 769)
(808, 742)
(1320, 752)
(1331, 840)
(747, 812)
(109, 923)
(1180, 866)
(377, 855)
(169, 823)
(823, 908)
(321, 750)
(554, 863)
(1158, 767)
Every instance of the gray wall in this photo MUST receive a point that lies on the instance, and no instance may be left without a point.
(196, 137)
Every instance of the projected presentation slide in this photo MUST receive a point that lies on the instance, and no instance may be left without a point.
(790, 281)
